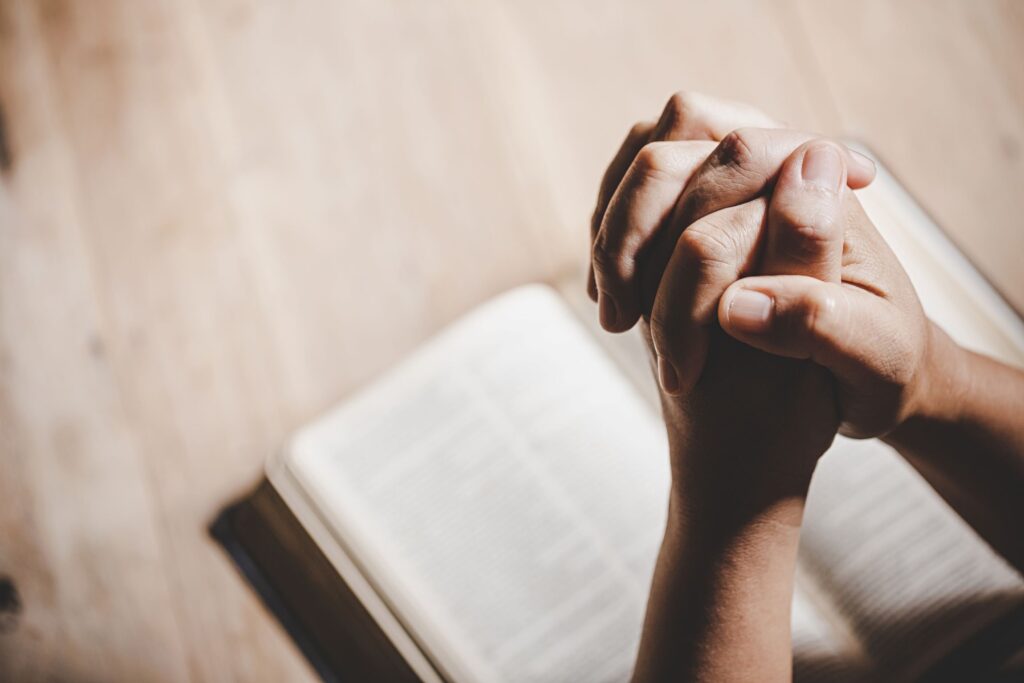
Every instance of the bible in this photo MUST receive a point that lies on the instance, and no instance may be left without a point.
(490, 509)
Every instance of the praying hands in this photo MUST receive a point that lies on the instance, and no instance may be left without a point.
(777, 317)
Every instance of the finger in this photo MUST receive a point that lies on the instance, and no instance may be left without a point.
(642, 203)
(743, 166)
(709, 256)
(806, 214)
(695, 116)
(798, 316)
(637, 137)
(686, 116)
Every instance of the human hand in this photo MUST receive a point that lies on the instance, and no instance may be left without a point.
(879, 384)
(864, 324)
(658, 184)
(648, 209)
(686, 116)
(778, 315)
(745, 438)
(751, 424)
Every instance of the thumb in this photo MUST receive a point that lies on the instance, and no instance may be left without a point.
(805, 229)
(798, 316)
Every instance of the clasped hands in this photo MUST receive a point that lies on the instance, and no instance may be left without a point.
(776, 314)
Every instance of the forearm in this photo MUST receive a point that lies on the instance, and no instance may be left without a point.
(719, 608)
(967, 439)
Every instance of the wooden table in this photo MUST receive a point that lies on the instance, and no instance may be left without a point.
(218, 218)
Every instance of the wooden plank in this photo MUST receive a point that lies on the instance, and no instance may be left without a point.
(128, 139)
(186, 336)
(221, 217)
(80, 540)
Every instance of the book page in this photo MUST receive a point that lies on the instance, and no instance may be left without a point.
(626, 349)
(953, 293)
(823, 650)
(911, 577)
(908, 572)
(506, 490)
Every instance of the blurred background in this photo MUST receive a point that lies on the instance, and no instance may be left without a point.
(219, 217)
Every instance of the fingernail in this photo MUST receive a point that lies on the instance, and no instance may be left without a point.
(667, 376)
(608, 312)
(822, 167)
(863, 159)
(750, 311)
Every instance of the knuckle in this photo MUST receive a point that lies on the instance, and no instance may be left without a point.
(661, 334)
(810, 239)
(698, 198)
(639, 129)
(684, 117)
(811, 314)
(595, 220)
(608, 261)
(678, 106)
(736, 149)
(654, 160)
(705, 245)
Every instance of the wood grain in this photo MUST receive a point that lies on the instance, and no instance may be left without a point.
(218, 218)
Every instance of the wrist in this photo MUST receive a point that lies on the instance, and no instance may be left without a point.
(734, 548)
(719, 522)
(942, 381)
(724, 500)
(720, 602)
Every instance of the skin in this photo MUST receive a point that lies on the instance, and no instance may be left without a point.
(768, 290)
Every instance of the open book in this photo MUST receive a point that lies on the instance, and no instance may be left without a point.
(490, 510)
